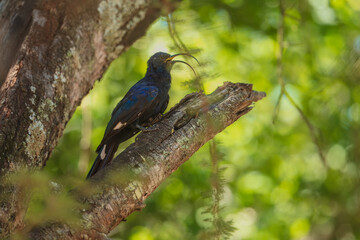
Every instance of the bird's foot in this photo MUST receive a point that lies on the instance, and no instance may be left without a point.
(157, 118)
(147, 129)
(154, 120)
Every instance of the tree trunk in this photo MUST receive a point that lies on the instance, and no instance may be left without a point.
(52, 52)
(134, 174)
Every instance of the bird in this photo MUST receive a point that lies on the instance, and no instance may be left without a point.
(144, 101)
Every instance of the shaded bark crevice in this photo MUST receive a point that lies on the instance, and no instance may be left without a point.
(16, 20)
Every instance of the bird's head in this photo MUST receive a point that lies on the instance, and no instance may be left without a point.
(162, 62)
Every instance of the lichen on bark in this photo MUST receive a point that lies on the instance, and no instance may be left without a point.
(117, 17)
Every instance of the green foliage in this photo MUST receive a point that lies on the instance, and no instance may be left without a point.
(276, 186)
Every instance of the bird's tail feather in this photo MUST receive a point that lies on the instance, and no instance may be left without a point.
(105, 156)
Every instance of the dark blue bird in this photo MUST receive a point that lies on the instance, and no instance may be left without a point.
(143, 102)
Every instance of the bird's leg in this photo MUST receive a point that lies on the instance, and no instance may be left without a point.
(157, 118)
(149, 125)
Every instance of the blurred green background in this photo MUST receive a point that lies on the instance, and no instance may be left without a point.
(276, 186)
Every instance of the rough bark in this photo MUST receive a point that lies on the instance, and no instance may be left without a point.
(52, 52)
(134, 174)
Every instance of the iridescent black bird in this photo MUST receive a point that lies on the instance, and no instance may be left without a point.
(144, 101)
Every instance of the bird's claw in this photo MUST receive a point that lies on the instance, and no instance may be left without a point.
(158, 117)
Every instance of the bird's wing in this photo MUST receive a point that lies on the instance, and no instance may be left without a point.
(165, 104)
(129, 109)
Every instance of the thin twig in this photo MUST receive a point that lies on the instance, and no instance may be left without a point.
(280, 76)
(180, 45)
(216, 188)
(171, 31)
(279, 57)
(311, 127)
(221, 227)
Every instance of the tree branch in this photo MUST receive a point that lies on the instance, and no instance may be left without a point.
(134, 174)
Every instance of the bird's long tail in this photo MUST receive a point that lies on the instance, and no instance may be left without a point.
(105, 156)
